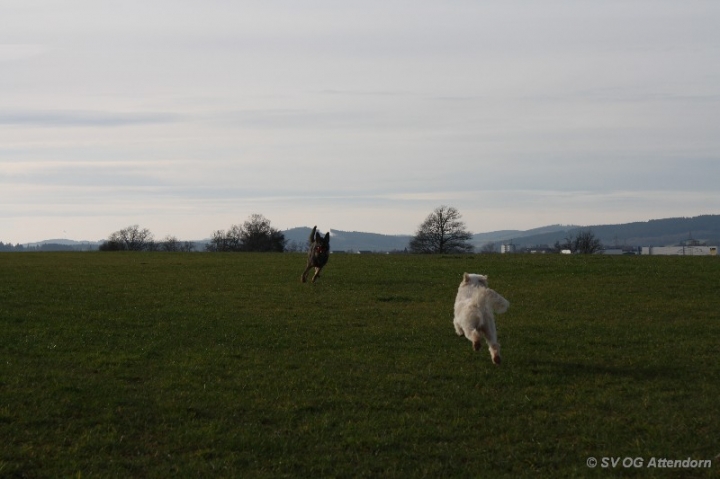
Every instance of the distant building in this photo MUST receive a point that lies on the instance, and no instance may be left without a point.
(507, 248)
(537, 249)
(680, 250)
(620, 251)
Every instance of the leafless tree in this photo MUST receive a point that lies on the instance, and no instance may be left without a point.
(170, 243)
(132, 238)
(584, 242)
(442, 232)
(258, 235)
(187, 246)
(225, 241)
(255, 234)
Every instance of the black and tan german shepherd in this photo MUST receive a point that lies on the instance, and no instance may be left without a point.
(318, 254)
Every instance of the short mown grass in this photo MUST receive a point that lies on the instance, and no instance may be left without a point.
(225, 365)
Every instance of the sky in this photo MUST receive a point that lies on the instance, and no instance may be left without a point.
(186, 117)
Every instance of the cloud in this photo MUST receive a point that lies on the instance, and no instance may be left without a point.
(83, 118)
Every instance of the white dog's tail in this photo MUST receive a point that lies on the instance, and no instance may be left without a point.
(499, 303)
(489, 298)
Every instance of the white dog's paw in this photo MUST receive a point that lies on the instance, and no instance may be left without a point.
(495, 354)
(476, 339)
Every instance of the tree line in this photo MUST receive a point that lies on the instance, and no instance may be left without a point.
(10, 247)
(134, 238)
(255, 234)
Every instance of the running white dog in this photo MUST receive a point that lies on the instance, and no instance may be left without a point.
(474, 318)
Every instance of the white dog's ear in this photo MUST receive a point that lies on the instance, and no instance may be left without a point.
(466, 278)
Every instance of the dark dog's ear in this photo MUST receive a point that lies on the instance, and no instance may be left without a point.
(327, 238)
(312, 234)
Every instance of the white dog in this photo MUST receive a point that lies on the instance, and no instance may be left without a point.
(474, 318)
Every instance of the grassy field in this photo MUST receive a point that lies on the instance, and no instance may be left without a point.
(225, 365)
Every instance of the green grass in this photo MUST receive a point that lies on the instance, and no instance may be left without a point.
(225, 365)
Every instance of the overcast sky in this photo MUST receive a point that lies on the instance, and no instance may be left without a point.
(187, 116)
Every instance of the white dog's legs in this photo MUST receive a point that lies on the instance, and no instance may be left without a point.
(491, 339)
(495, 353)
(458, 329)
(476, 338)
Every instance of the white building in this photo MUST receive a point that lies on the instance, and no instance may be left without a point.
(507, 248)
(680, 250)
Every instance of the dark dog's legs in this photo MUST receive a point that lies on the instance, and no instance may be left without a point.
(317, 273)
(303, 278)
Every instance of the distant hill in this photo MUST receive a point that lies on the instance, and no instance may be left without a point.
(663, 232)
(481, 239)
(63, 245)
(351, 241)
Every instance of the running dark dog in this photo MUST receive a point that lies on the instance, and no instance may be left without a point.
(318, 254)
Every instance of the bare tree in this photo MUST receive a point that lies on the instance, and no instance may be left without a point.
(255, 234)
(187, 246)
(216, 243)
(224, 241)
(258, 235)
(131, 238)
(584, 242)
(170, 243)
(442, 232)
